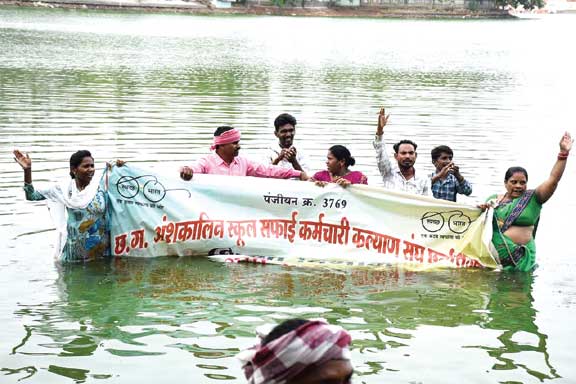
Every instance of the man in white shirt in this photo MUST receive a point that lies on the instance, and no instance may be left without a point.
(403, 177)
(283, 153)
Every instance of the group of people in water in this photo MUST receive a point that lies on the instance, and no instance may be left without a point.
(284, 161)
(78, 205)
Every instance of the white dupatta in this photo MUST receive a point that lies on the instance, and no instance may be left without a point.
(64, 195)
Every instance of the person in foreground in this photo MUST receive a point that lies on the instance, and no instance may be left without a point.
(516, 212)
(225, 160)
(77, 206)
(338, 160)
(300, 351)
(404, 176)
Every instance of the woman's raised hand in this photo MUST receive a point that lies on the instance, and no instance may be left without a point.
(566, 142)
(23, 159)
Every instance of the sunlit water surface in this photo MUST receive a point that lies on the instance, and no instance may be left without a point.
(151, 88)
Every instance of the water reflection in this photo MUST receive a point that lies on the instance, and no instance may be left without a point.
(138, 308)
(512, 312)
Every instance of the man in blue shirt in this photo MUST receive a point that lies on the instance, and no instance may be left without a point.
(447, 180)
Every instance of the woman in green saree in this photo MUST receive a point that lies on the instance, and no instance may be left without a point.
(516, 213)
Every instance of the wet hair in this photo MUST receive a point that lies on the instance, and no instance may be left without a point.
(222, 129)
(76, 159)
(439, 150)
(340, 152)
(512, 170)
(283, 328)
(284, 119)
(398, 144)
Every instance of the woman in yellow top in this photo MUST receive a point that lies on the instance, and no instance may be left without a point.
(516, 212)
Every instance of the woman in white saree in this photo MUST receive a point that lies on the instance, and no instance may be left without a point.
(77, 206)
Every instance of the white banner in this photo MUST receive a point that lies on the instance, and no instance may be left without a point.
(290, 222)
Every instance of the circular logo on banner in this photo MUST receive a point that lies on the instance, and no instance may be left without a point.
(457, 221)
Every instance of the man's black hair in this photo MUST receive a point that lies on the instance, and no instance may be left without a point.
(222, 129)
(284, 119)
(283, 328)
(398, 144)
(439, 150)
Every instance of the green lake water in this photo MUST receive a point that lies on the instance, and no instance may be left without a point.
(151, 88)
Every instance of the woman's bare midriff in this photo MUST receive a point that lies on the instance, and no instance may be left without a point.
(520, 235)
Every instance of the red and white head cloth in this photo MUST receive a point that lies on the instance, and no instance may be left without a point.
(284, 358)
(231, 136)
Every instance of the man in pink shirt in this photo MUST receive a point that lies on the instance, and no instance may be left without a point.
(225, 160)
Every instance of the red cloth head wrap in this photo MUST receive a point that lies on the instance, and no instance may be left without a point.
(227, 137)
(284, 358)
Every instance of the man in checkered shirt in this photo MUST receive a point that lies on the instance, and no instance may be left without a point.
(447, 181)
